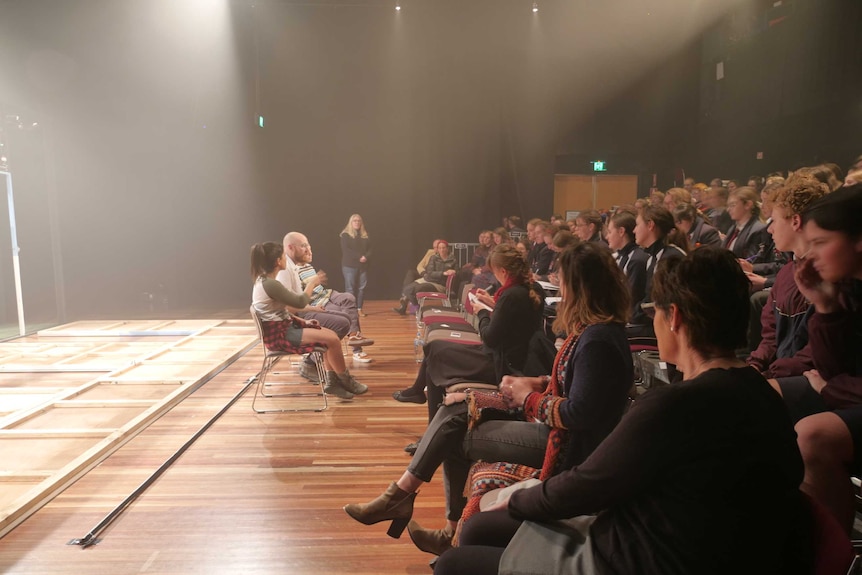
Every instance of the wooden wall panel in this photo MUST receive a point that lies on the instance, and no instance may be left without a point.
(574, 192)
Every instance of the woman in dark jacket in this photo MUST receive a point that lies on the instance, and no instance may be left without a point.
(747, 236)
(440, 266)
(507, 320)
(689, 222)
(355, 252)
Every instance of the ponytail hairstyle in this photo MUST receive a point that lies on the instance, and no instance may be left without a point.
(264, 258)
(507, 257)
(626, 221)
(662, 218)
(592, 218)
(747, 194)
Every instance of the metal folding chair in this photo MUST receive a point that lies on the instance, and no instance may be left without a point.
(270, 358)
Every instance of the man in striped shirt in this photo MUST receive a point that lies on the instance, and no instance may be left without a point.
(326, 300)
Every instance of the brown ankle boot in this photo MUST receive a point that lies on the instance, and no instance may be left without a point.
(394, 504)
(436, 541)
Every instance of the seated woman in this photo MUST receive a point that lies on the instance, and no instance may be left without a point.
(485, 278)
(440, 266)
(284, 332)
(588, 226)
(414, 274)
(515, 315)
(656, 234)
(630, 257)
(557, 243)
(691, 223)
(827, 401)
(709, 461)
(592, 374)
(747, 237)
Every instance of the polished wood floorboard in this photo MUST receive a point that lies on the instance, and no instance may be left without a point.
(256, 493)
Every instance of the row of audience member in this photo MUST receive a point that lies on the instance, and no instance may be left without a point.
(749, 487)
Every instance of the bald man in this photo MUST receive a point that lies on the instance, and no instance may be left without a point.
(327, 306)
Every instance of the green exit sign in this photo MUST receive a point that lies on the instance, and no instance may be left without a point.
(599, 166)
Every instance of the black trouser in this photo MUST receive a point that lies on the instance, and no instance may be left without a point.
(483, 539)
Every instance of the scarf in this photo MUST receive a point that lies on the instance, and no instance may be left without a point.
(545, 407)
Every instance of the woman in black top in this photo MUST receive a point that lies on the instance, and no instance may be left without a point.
(355, 251)
(711, 459)
(506, 323)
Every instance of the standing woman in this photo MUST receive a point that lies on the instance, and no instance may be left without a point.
(355, 251)
(285, 332)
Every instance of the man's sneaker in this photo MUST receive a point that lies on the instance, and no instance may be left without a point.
(362, 357)
(359, 340)
(334, 386)
(309, 371)
(349, 383)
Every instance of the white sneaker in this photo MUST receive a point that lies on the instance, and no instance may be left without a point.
(362, 357)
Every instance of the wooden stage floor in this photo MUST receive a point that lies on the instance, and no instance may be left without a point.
(256, 493)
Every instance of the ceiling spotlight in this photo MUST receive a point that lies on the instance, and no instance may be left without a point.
(398, 6)
(535, 7)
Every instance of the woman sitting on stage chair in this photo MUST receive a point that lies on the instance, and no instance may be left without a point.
(285, 332)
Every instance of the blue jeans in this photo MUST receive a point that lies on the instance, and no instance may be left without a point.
(350, 283)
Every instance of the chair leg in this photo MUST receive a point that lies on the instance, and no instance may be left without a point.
(260, 389)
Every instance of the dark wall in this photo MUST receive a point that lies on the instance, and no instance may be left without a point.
(792, 88)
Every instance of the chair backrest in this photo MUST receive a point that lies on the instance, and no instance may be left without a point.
(257, 324)
(449, 280)
(465, 289)
(833, 550)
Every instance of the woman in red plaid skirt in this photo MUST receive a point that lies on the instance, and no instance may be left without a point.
(285, 332)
